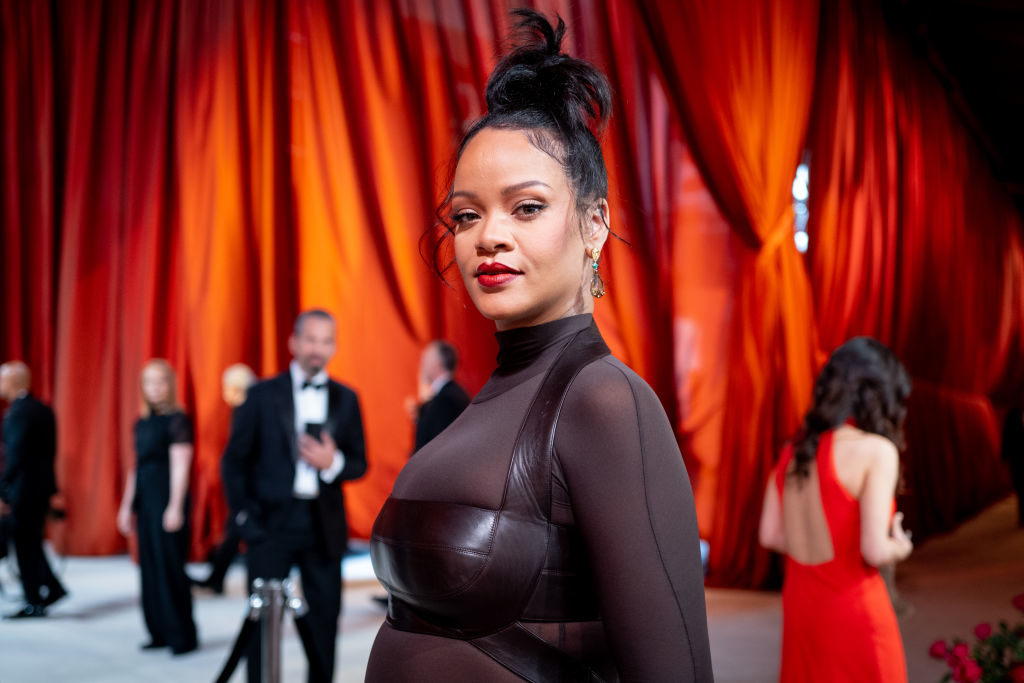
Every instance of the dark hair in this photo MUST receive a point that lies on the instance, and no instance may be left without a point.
(862, 380)
(311, 313)
(448, 355)
(560, 102)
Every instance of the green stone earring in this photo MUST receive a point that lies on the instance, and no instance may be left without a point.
(596, 283)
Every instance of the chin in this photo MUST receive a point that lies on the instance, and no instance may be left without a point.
(495, 310)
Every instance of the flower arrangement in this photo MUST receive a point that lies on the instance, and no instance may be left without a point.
(997, 657)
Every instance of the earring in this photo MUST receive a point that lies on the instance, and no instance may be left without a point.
(596, 283)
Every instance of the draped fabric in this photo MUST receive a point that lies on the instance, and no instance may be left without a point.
(221, 166)
(28, 249)
(180, 179)
(912, 242)
(744, 102)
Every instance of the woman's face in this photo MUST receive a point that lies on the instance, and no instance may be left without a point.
(155, 386)
(518, 242)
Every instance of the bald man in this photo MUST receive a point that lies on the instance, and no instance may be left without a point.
(235, 383)
(30, 443)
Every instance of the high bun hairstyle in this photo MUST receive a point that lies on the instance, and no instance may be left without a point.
(561, 103)
(864, 381)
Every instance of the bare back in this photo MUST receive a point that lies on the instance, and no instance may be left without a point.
(808, 538)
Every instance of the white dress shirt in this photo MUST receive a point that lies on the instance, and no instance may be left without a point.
(311, 408)
(438, 384)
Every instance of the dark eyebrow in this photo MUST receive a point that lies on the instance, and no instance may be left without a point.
(511, 189)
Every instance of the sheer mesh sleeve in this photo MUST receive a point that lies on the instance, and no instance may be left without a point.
(631, 499)
(180, 428)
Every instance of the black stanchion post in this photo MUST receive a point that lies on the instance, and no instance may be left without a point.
(271, 631)
(266, 606)
(254, 611)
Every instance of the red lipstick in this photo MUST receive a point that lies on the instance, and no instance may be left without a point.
(495, 274)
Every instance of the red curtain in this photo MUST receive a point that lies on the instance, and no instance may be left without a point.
(180, 179)
(912, 241)
(741, 76)
(28, 250)
(221, 166)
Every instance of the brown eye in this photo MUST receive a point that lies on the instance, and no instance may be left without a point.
(530, 209)
(463, 217)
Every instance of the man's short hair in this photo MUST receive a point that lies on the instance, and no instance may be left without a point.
(311, 313)
(449, 356)
(239, 375)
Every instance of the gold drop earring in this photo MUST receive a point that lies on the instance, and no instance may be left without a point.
(596, 283)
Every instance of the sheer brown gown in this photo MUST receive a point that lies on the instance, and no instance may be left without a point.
(617, 484)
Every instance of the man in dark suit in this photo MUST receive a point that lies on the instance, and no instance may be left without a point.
(28, 481)
(293, 441)
(443, 399)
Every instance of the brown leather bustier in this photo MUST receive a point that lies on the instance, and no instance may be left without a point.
(465, 572)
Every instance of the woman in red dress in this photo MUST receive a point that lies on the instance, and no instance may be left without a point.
(829, 507)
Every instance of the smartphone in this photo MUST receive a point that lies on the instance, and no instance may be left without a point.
(314, 429)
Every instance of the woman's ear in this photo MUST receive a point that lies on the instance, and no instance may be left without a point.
(597, 225)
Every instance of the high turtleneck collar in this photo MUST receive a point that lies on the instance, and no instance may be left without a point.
(524, 352)
(520, 346)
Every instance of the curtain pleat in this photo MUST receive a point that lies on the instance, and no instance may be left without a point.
(180, 179)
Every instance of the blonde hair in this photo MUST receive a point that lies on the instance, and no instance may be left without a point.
(239, 375)
(170, 404)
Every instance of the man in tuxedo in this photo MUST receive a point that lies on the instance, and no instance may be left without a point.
(443, 399)
(293, 441)
(28, 481)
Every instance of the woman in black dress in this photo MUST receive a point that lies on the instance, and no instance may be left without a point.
(155, 505)
(549, 534)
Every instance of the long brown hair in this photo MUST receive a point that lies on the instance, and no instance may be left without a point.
(863, 381)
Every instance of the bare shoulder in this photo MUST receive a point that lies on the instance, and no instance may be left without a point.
(865, 447)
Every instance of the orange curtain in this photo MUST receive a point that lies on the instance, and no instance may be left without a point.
(913, 241)
(180, 179)
(220, 166)
(740, 76)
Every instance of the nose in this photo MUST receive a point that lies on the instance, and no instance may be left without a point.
(494, 236)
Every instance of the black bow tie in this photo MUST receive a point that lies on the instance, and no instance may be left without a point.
(311, 384)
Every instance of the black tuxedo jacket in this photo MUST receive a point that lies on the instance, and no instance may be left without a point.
(30, 444)
(258, 467)
(436, 414)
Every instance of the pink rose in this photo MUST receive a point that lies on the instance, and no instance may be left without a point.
(938, 649)
(1017, 674)
(960, 651)
(983, 630)
(1018, 602)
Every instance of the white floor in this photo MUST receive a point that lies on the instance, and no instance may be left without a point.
(950, 583)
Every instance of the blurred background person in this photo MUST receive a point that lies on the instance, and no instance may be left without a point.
(235, 385)
(155, 506)
(830, 508)
(28, 481)
(293, 442)
(1013, 454)
(442, 399)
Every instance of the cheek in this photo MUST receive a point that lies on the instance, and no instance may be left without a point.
(463, 248)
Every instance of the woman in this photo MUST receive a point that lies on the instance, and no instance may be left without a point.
(155, 504)
(829, 507)
(549, 534)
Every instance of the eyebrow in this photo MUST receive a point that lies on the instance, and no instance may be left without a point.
(511, 189)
